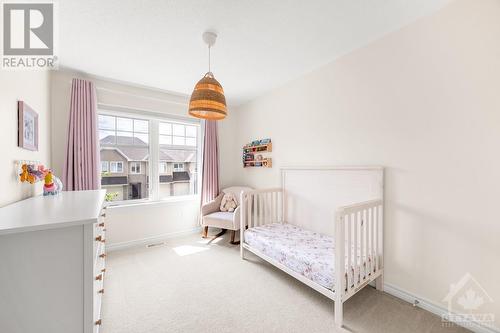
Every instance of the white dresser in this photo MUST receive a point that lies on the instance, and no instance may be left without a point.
(52, 263)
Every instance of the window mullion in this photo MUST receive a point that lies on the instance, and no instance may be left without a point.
(154, 156)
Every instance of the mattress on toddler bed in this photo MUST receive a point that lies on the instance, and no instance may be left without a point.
(308, 253)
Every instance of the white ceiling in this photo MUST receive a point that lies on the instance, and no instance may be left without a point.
(262, 44)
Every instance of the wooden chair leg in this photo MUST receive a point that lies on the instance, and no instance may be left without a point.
(205, 232)
(233, 234)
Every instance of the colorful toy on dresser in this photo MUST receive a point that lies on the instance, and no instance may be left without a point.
(53, 185)
(32, 174)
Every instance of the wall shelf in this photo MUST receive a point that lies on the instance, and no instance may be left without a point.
(252, 154)
(259, 148)
(264, 163)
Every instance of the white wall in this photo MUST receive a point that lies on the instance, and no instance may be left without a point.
(33, 87)
(230, 153)
(425, 103)
(148, 223)
(131, 223)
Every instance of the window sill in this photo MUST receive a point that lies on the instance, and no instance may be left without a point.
(171, 200)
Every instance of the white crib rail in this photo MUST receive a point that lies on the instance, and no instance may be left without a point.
(358, 242)
(360, 228)
(259, 207)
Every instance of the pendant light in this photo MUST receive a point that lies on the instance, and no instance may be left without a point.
(207, 100)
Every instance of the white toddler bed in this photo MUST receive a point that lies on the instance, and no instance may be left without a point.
(296, 228)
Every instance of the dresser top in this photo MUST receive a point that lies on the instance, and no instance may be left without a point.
(53, 211)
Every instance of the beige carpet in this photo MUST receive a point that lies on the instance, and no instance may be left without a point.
(186, 285)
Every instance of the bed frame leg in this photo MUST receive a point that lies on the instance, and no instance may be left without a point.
(242, 252)
(339, 314)
(379, 283)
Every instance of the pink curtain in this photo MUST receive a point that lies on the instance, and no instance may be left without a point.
(81, 168)
(210, 175)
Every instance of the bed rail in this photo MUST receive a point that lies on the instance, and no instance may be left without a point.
(360, 228)
(259, 207)
(358, 242)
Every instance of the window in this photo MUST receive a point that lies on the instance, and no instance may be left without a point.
(104, 166)
(123, 139)
(178, 166)
(135, 167)
(116, 167)
(175, 151)
(163, 167)
(178, 134)
(178, 154)
(123, 131)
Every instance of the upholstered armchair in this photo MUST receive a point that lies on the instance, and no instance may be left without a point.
(211, 216)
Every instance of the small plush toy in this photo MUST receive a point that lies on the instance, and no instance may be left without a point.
(23, 176)
(228, 203)
(40, 172)
(52, 184)
(31, 178)
(31, 173)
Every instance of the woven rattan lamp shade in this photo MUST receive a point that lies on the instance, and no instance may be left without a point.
(207, 100)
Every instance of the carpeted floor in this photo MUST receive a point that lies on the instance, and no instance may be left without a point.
(188, 286)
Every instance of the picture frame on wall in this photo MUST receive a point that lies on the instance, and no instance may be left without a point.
(27, 127)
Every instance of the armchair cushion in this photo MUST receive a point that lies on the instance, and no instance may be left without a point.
(223, 220)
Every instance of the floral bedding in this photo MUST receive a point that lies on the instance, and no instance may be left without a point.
(308, 253)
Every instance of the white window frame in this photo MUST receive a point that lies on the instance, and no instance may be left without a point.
(154, 145)
(115, 163)
(135, 164)
(106, 163)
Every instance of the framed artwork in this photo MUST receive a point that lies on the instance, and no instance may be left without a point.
(27, 127)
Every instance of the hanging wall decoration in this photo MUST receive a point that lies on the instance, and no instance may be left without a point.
(27, 126)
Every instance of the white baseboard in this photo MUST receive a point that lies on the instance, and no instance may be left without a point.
(149, 240)
(435, 309)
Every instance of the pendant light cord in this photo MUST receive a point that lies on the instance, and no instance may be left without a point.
(209, 58)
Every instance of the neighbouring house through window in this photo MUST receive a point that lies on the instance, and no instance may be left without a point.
(135, 167)
(126, 147)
